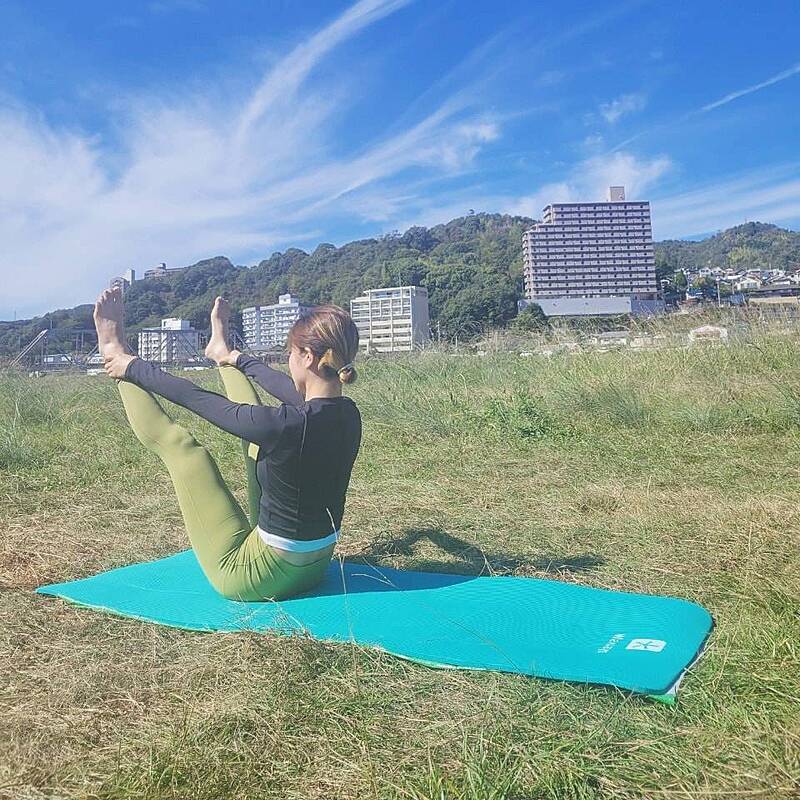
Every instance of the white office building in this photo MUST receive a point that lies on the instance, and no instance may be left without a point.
(592, 258)
(392, 320)
(266, 327)
(175, 340)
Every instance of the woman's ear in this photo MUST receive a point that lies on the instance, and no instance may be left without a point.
(308, 357)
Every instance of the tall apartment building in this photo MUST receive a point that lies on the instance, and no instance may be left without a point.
(393, 319)
(592, 259)
(266, 327)
(175, 340)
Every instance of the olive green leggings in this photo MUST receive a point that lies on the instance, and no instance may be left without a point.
(231, 553)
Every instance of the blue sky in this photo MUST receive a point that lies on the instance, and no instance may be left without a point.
(173, 130)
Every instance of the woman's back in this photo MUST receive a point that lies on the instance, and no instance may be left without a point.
(304, 477)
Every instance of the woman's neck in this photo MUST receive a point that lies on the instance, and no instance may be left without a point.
(322, 389)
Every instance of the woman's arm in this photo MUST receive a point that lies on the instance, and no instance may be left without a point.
(277, 383)
(261, 425)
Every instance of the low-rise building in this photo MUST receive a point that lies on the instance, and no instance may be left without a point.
(393, 319)
(124, 281)
(780, 307)
(266, 327)
(174, 341)
(52, 362)
(121, 282)
(594, 306)
(161, 271)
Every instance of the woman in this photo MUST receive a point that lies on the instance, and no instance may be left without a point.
(299, 454)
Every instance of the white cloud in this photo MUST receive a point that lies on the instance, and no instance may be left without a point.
(781, 76)
(625, 104)
(206, 172)
(593, 143)
(589, 181)
(765, 195)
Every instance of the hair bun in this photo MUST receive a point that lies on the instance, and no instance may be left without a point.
(347, 373)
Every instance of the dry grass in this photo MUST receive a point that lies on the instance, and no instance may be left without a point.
(674, 472)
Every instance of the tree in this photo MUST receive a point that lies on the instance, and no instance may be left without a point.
(490, 300)
(530, 319)
(708, 288)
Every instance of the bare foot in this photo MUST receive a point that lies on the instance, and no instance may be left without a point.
(109, 319)
(217, 349)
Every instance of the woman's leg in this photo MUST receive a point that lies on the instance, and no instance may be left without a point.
(215, 523)
(234, 558)
(264, 573)
(239, 389)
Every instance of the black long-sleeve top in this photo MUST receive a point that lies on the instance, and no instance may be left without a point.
(306, 448)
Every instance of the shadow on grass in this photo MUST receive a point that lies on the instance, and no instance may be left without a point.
(467, 558)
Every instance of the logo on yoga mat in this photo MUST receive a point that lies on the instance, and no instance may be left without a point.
(650, 645)
(612, 642)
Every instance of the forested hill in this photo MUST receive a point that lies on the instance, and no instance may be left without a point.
(472, 267)
(754, 245)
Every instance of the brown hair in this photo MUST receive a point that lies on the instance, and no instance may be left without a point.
(329, 332)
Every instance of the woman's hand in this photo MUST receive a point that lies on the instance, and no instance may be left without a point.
(233, 357)
(116, 364)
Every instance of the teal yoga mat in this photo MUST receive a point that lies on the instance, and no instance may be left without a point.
(545, 628)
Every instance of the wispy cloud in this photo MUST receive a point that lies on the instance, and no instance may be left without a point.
(589, 180)
(202, 173)
(294, 69)
(781, 76)
(625, 104)
(766, 195)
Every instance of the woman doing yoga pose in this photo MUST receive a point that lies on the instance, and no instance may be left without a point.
(299, 454)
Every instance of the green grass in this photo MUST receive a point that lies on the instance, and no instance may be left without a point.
(673, 471)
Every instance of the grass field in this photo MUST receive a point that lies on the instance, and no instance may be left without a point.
(674, 471)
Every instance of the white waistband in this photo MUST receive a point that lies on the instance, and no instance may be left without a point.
(297, 545)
